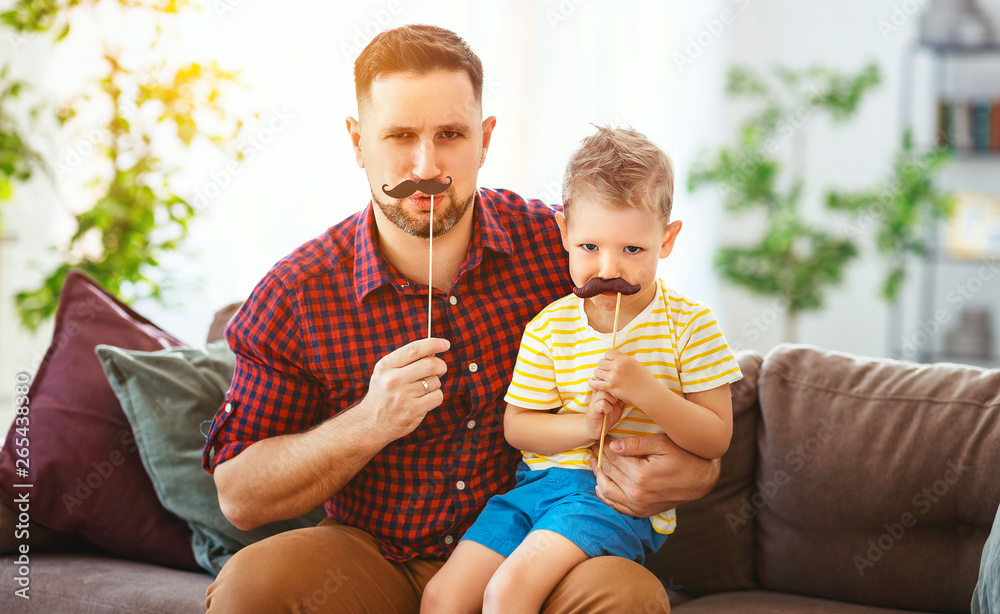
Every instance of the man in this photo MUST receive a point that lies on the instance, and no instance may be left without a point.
(339, 397)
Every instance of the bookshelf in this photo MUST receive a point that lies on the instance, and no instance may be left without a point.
(957, 107)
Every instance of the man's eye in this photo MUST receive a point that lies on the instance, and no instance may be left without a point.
(632, 249)
(589, 247)
(400, 135)
(448, 134)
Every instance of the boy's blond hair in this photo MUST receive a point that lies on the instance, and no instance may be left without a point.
(621, 168)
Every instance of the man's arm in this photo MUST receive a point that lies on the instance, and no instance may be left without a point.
(643, 476)
(289, 475)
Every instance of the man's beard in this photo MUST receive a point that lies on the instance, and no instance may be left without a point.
(444, 219)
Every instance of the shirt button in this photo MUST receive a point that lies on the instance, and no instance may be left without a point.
(229, 407)
(473, 367)
(460, 485)
(471, 424)
(448, 539)
(453, 299)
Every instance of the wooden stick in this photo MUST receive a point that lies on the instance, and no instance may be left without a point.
(614, 336)
(430, 269)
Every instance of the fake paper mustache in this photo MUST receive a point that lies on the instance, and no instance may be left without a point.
(408, 187)
(599, 285)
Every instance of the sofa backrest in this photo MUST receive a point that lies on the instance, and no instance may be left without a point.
(712, 549)
(879, 479)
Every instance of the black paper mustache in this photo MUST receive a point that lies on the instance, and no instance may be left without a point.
(408, 187)
(599, 285)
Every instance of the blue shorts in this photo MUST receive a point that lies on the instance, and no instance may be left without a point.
(563, 501)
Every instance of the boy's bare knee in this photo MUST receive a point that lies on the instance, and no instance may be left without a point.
(499, 589)
(438, 597)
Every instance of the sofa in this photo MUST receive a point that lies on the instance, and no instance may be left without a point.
(852, 485)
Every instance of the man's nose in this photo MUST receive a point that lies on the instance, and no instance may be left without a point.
(425, 161)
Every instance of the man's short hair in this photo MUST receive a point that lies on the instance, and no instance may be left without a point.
(415, 50)
(621, 168)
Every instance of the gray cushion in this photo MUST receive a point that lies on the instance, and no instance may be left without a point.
(986, 597)
(883, 478)
(166, 396)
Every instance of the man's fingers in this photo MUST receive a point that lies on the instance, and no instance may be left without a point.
(412, 352)
(642, 446)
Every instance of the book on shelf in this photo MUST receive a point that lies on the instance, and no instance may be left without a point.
(995, 126)
(969, 125)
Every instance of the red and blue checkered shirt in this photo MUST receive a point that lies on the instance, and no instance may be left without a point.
(308, 338)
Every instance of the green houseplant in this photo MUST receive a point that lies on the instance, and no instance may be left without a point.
(793, 260)
(900, 208)
(136, 215)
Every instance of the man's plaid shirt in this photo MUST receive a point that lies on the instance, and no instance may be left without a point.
(308, 338)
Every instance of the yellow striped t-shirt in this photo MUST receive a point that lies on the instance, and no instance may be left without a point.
(676, 338)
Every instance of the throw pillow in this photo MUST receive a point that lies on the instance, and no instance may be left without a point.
(167, 395)
(83, 461)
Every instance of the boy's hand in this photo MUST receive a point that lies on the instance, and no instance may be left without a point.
(602, 404)
(620, 375)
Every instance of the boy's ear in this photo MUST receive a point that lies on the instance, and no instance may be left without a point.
(561, 221)
(669, 236)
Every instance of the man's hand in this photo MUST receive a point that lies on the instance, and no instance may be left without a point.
(602, 404)
(621, 376)
(397, 396)
(643, 476)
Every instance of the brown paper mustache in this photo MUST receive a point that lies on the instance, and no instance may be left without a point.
(408, 187)
(599, 285)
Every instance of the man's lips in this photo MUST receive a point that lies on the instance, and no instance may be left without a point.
(423, 202)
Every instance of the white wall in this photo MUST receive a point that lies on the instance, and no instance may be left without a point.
(845, 36)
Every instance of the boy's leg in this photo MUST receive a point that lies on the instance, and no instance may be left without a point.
(527, 577)
(327, 568)
(459, 585)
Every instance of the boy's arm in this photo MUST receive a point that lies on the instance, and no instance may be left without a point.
(541, 432)
(702, 423)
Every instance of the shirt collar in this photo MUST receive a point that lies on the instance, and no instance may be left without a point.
(372, 271)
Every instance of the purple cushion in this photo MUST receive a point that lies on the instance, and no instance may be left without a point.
(88, 479)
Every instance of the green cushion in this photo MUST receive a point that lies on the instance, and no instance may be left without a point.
(167, 395)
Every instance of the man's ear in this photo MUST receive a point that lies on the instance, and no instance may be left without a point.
(669, 236)
(488, 124)
(561, 221)
(354, 129)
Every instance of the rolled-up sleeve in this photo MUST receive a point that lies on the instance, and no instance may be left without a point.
(272, 392)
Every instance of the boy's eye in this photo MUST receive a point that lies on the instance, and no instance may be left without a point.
(589, 247)
(632, 249)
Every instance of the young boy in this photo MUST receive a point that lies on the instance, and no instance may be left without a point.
(669, 372)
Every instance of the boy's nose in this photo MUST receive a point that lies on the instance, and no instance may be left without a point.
(609, 267)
